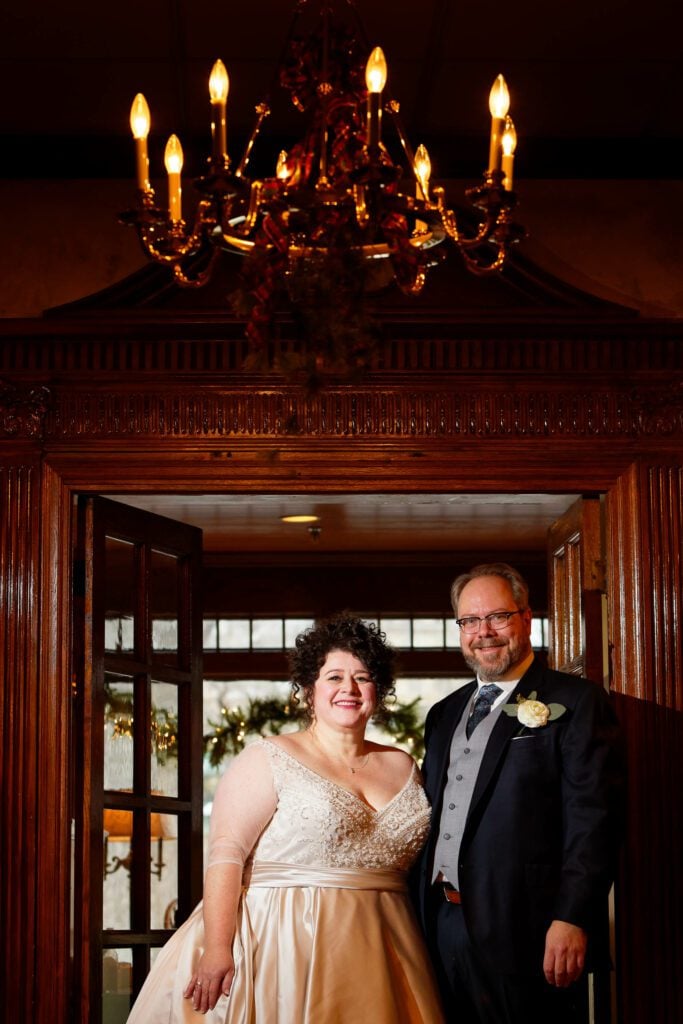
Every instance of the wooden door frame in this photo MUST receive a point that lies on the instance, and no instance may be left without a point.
(121, 408)
(67, 474)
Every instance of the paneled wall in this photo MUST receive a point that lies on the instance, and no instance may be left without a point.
(140, 405)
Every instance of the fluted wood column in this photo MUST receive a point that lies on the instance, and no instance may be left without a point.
(19, 713)
(645, 595)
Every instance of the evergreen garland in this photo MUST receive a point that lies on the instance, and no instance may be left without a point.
(261, 717)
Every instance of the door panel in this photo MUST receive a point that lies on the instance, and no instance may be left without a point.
(576, 586)
(576, 577)
(139, 835)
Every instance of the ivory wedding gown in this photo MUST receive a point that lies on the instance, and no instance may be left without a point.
(325, 930)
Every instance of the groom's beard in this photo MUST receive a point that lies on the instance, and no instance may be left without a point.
(501, 655)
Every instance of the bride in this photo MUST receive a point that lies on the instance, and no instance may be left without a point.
(305, 917)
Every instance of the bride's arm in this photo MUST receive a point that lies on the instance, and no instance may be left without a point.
(243, 805)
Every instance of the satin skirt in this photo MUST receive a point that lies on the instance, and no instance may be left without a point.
(312, 946)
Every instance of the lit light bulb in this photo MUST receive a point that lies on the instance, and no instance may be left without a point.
(423, 169)
(139, 125)
(499, 98)
(173, 155)
(139, 117)
(376, 71)
(499, 104)
(508, 145)
(219, 83)
(281, 170)
(173, 161)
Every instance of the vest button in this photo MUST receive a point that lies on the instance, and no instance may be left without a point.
(466, 750)
(458, 778)
(447, 835)
(451, 807)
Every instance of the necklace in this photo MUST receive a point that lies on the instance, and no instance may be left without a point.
(335, 757)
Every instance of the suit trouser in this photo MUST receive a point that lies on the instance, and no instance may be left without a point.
(473, 992)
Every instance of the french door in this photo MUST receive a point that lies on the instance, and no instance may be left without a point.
(137, 778)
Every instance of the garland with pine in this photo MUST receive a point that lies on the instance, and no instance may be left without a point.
(260, 717)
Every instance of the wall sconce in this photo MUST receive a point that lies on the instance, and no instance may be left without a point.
(118, 828)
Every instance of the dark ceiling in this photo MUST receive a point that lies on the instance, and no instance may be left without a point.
(596, 87)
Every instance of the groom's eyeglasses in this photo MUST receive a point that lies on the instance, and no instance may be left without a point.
(497, 620)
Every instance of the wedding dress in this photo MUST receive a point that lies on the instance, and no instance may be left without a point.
(325, 930)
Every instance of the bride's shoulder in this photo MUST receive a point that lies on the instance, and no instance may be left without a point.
(394, 756)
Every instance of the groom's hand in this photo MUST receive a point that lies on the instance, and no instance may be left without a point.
(565, 953)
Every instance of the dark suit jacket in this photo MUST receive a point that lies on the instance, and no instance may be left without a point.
(542, 830)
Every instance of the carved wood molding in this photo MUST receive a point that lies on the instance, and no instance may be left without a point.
(476, 411)
(23, 410)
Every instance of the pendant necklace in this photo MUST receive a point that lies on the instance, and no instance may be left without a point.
(334, 757)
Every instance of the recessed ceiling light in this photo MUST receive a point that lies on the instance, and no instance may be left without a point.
(300, 519)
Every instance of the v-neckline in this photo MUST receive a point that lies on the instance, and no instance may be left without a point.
(377, 811)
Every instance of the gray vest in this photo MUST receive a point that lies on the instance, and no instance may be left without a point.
(465, 761)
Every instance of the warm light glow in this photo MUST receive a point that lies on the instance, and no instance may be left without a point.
(118, 825)
(509, 140)
(281, 170)
(376, 71)
(300, 519)
(423, 169)
(173, 155)
(499, 98)
(219, 83)
(508, 144)
(139, 117)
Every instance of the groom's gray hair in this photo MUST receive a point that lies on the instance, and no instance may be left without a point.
(520, 590)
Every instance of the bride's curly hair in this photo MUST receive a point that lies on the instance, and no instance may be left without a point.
(343, 632)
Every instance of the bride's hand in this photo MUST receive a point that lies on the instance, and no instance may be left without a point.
(212, 979)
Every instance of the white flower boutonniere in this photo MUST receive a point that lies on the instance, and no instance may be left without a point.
(533, 713)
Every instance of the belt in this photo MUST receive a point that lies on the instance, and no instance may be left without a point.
(450, 894)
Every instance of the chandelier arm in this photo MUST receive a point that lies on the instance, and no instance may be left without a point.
(393, 108)
(415, 286)
(362, 213)
(175, 244)
(202, 278)
(255, 195)
(262, 111)
(482, 269)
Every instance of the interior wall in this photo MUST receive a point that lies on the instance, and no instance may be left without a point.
(63, 240)
(395, 586)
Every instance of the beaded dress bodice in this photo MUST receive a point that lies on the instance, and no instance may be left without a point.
(319, 823)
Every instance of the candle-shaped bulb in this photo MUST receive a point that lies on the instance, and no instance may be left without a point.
(509, 140)
(139, 117)
(376, 71)
(173, 155)
(499, 104)
(219, 83)
(173, 160)
(508, 144)
(423, 169)
(139, 125)
(499, 98)
(282, 170)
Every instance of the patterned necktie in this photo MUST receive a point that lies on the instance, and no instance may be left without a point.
(482, 705)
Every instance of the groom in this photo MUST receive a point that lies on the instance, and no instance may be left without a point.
(514, 879)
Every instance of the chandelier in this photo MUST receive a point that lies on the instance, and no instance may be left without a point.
(348, 199)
